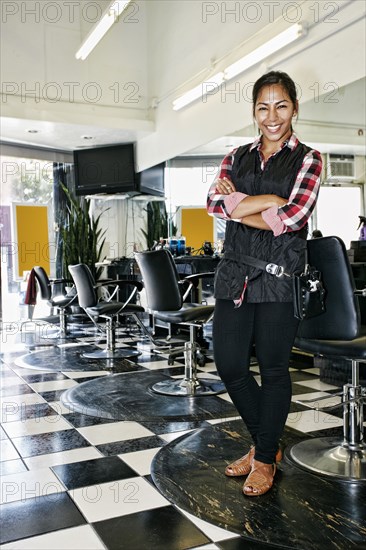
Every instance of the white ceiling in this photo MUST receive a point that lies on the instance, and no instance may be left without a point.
(149, 53)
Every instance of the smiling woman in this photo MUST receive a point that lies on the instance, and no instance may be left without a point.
(266, 191)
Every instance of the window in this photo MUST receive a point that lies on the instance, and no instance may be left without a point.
(26, 179)
(337, 211)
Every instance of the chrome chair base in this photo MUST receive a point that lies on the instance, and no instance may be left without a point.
(118, 353)
(330, 457)
(198, 387)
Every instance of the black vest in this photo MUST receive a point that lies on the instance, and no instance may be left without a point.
(288, 250)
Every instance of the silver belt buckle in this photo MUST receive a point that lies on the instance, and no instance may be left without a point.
(275, 269)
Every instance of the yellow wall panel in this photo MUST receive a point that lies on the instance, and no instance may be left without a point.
(31, 227)
(196, 226)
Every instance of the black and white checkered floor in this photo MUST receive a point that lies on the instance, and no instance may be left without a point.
(71, 481)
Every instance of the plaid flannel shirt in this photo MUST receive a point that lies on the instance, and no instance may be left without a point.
(290, 217)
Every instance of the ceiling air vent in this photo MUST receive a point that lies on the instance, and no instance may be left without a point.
(341, 167)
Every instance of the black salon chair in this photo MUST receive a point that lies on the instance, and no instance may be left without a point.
(336, 333)
(165, 300)
(57, 300)
(109, 310)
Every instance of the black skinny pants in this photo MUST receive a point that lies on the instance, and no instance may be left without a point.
(272, 327)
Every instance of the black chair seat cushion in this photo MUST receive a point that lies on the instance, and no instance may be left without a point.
(111, 308)
(188, 313)
(350, 349)
(61, 301)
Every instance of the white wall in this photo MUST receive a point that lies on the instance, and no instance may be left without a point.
(325, 55)
(164, 48)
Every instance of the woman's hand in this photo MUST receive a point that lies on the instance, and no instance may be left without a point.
(224, 186)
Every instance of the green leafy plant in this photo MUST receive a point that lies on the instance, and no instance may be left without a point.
(157, 223)
(81, 239)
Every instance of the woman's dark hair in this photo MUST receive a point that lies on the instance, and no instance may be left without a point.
(275, 77)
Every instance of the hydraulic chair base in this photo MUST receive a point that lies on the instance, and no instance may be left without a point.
(190, 385)
(345, 460)
(325, 455)
(110, 351)
(116, 353)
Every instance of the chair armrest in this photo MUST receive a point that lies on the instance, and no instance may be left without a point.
(125, 282)
(57, 281)
(138, 286)
(193, 281)
(197, 276)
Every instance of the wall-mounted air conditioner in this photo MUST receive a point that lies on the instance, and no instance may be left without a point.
(340, 168)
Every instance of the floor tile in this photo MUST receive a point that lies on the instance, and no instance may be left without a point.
(76, 538)
(214, 533)
(36, 426)
(59, 408)
(117, 498)
(79, 374)
(172, 531)
(140, 461)
(116, 431)
(82, 420)
(32, 484)
(22, 400)
(93, 472)
(313, 370)
(36, 516)
(332, 399)
(156, 365)
(33, 445)
(317, 385)
(165, 426)
(17, 389)
(63, 457)
(131, 445)
(7, 450)
(311, 421)
(53, 385)
(13, 380)
(43, 377)
(9, 467)
(13, 412)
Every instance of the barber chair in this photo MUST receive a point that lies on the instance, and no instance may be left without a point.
(165, 300)
(60, 302)
(106, 309)
(336, 333)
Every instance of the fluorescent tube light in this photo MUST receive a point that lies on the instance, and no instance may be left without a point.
(114, 10)
(280, 41)
(199, 91)
(270, 47)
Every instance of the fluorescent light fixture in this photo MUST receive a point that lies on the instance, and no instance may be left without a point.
(112, 13)
(199, 91)
(268, 48)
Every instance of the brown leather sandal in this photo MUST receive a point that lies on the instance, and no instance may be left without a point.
(260, 479)
(243, 465)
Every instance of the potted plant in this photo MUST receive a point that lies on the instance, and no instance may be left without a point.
(80, 238)
(157, 223)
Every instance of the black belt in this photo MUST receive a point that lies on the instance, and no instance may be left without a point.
(271, 268)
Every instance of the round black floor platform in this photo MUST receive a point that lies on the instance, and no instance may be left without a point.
(70, 358)
(302, 511)
(124, 397)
